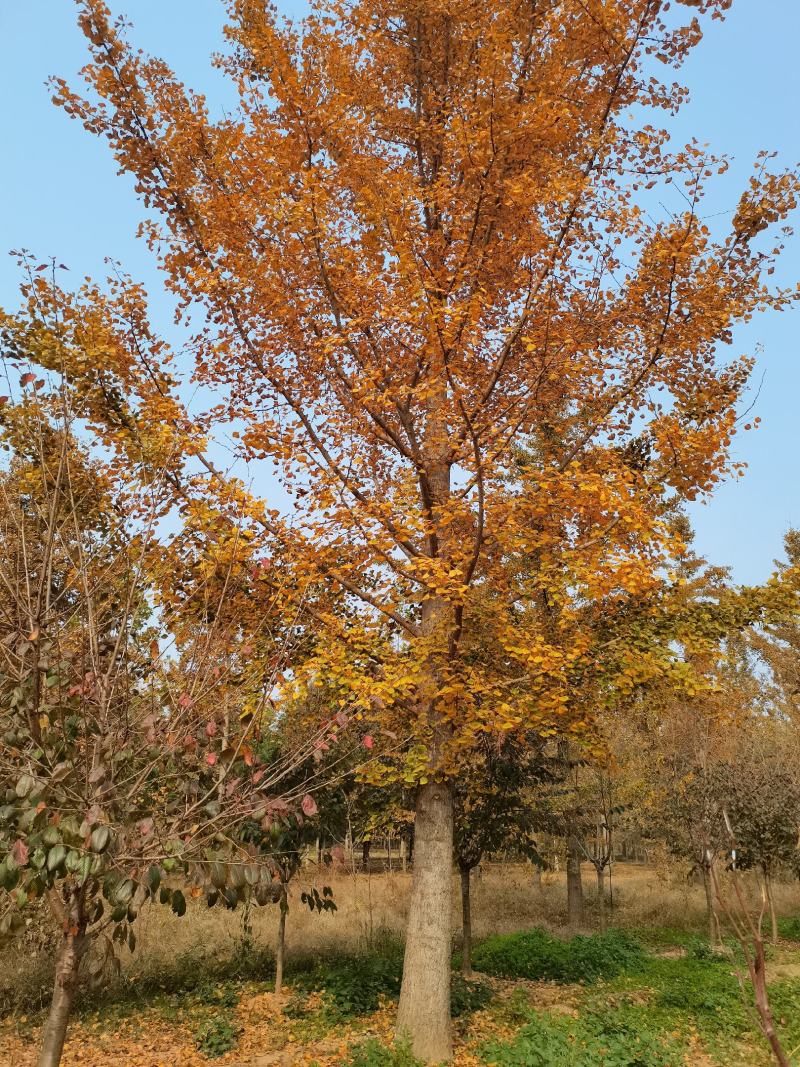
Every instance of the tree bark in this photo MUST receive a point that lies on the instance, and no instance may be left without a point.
(280, 951)
(466, 923)
(574, 882)
(365, 847)
(713, 922)
(601, 898)
(773, 917)
(65, 987)
(424, 1010)
(761, 997)
(403, 853)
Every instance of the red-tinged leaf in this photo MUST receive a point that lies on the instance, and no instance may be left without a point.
(211, 729)
(368, 741)
(26, 379)
(41, 267)
(19, 853)
(257, 776)
(146, 827)
(309, 805)
(211, 759)
(3, 401)
(249, 759)
(184, 700)
(63, 266)
(39, 383)
(320, 745)
(341, 718)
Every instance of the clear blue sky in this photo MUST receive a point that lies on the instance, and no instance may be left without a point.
(60, 195)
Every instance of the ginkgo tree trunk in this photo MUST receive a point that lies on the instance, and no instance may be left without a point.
(417, 243)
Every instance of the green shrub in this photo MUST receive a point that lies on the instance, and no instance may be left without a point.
(354, 985)
(217, 1036)
(789, 927)
(372, 1053)
(535, 954)
(467, 996)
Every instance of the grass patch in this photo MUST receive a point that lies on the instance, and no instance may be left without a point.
(621, 1037)
(652, 1013)
(371, 1053)
(535, 954)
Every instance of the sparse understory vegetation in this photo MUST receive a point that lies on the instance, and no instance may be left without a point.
(649, 992)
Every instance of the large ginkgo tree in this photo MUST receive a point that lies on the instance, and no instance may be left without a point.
(425, 236)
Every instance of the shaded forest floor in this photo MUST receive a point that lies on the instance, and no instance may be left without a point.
(195, 993)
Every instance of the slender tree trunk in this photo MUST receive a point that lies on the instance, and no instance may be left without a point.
(365, 847)
(72, 947)
(713, 921)
(466, 923)
(403, 853)
(280, 951)
(761, 997)
(601, 898)
(424, 1010)
(773, 918)
(574, 882)
(537, 876)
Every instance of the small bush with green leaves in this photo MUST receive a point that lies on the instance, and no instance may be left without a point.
(217, 1036)
(535, 954)
(354, 985)
(467, 996)
(372, 1053)
(789, 927)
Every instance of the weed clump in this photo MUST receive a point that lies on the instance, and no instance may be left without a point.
(467, 996)
(217, 1036)
(372, 1053)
